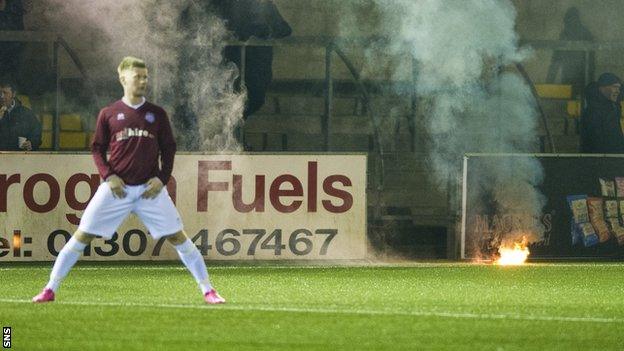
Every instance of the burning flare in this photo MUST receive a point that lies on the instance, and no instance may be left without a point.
(515, 254)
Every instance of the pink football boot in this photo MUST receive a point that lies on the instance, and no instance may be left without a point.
(47, 295)
(212, 297)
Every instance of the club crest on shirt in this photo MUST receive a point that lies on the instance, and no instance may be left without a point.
(150, 117)
(121, 116)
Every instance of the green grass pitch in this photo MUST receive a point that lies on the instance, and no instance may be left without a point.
(437, 306)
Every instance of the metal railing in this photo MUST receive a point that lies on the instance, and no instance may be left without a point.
(335, 45)
(331, 45)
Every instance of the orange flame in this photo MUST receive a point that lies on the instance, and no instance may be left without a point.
(515, 254)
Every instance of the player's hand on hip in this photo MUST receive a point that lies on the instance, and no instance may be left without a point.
(27, 145)
(154, 186)
(116, 185)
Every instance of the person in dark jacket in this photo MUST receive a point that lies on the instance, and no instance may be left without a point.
(20, 130)
(572, 64)
(601, 131)
(246, 19)
(260, 19)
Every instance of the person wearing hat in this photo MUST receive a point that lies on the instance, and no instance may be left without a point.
(600, 129)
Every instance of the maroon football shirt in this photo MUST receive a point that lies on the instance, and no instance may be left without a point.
(135, 137)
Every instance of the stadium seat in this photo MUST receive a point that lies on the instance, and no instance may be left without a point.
(25, 100)
(46, 140)
(73, 140)
(574, 108)
(554, 91)
(71, 122)
(46, 121)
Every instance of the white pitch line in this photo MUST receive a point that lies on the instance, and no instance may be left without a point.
(225, 267)
(451, 315)
(94, 268)
(333, 266)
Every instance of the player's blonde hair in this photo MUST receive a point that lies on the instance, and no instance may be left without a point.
(130, 62)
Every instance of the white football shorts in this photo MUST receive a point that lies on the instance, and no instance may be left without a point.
(105, 213)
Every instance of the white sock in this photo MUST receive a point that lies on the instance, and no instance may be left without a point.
(66, 259)
(194, 262)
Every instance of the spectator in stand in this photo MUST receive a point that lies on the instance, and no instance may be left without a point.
(600, 129)
(572, 64)
(20, 130)
(260, 19)
(246, 19)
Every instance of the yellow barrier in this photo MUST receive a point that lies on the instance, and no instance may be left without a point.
(73, 140)
(46, 121)
(574, 109)
(554, 91)
(46, 140)
(68, 140)
(25, 100)
(71, 122)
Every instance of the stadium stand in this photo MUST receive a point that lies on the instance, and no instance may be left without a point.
(73, 136)
(291, 120)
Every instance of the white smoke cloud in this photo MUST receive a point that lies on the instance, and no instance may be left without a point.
(155, 30)
(474, 105)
